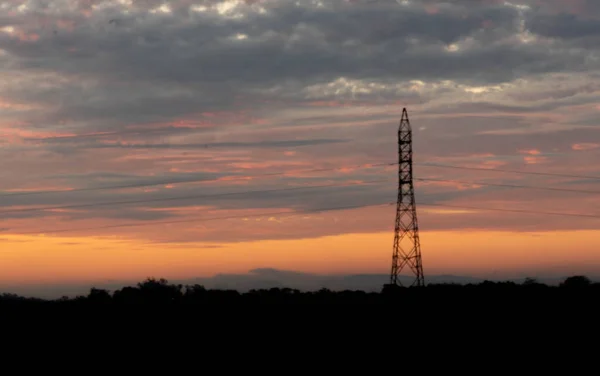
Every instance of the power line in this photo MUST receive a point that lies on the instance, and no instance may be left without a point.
(509, 171)
(204, 219)
(508, 186)
(366, 165)
(191, 197)
(288, 189)
(310, 211)
(513, 210)
(140, 185)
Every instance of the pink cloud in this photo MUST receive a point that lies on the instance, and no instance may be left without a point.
(585, 146)
(67, 25)
(431, 9)
(534, 160)
(20, 34)
(446, 184)
(530, 152)
(493, 164)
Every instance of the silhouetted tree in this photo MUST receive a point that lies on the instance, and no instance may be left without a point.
(99, 296)
(195, 294)
(486, 296)
(159, 291)
(578, 281)
(128, 295)
(531, 282)
(391, 289)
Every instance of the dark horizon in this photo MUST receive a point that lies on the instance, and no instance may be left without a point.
(160, 291)
(267, 278)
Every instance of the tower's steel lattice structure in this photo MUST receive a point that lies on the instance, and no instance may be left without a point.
(407, 246)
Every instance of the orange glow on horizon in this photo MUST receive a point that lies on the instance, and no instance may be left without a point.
(41, 259)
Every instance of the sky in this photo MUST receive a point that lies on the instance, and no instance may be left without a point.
(194, 139)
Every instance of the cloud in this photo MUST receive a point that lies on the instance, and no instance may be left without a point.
(585, 146)
(228, 145)
(172, 99)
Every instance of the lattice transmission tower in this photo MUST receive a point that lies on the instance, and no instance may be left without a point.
(407, 246)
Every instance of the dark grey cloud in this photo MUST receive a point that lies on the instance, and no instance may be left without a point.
(564, 26)
(152, 67)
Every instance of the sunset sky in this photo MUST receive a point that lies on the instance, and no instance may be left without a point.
(190, 138)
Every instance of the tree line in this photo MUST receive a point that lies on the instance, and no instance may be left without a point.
(160, 291)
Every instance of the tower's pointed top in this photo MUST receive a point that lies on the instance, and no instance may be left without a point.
(404, 114)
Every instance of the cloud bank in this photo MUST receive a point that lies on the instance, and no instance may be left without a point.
(190, 98)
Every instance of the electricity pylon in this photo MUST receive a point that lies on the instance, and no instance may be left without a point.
(407, 246)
